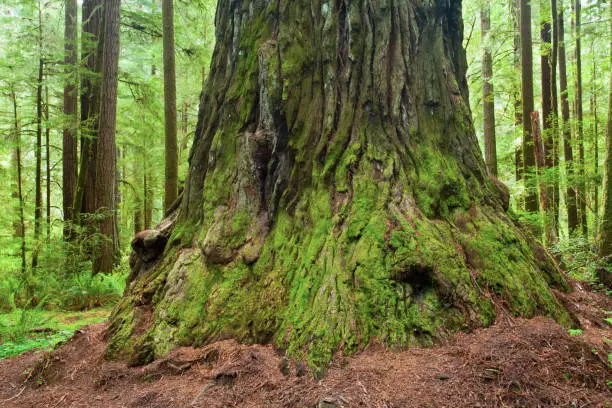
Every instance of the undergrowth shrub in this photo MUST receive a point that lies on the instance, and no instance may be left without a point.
(86, 292)
(578, 257)
(27, 320)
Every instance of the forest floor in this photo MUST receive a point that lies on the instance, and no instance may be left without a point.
(516, 362)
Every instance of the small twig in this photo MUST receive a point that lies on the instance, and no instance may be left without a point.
(16, 396)
(60, 400)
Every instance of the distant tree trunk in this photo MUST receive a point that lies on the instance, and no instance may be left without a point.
(69, 145)
(171, 175)
(488, 95)
(138, 207)
(18, 193)
(531, 199)
(106, 152)
(518, 106)
(605, 230)
(48, 157)
(336, 193)
(595, 148)
(546, 176)
(545, 198)
(184, 129)
(38, 149)
(581, 191)
(554, 57)
(572, 209)
(148, 201)
(92, 49)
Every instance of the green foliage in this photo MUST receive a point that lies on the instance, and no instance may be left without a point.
(579, 258)
(575, 332)
(35, 328)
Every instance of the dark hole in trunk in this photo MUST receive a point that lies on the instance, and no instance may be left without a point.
(419, 277)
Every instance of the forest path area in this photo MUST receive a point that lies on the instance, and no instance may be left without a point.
(516, 362)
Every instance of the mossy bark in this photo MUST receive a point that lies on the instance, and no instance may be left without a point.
(336, 193)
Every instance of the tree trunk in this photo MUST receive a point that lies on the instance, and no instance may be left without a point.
(148, 200)
(92, 49)
(20, 231)
(605, 230)
(595, 147)
(572, 208)
(336, 193)
(531, 199)
(518, 115)
(48, 158)
(488, 96)
(554, 57)
(106, 149)
(581, 191)
(546, 175)
(171, 176)
(38, 149)
(545, 196)
(69, 145)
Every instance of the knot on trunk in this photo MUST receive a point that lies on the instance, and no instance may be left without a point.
(149, 245)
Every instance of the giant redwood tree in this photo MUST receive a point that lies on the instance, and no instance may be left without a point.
(336, 193)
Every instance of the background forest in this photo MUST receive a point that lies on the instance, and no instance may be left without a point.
(48, 254)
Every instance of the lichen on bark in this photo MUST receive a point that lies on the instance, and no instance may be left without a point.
(336, 193)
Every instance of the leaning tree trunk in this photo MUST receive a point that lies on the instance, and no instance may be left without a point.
(336, 193)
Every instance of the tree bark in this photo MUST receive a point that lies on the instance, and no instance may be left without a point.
(336, 193)
(518, 115)
(605, 230)
(595, 147)
(69, 145)
(106, 149)
(488, 96)
(545, 196)
(38, 206)
(531, 199)
(20, 231)
(554, 57)
(572, 208)
(92, 46)
(47, 158)
(547, 175)
(171, 176)
(581, 191)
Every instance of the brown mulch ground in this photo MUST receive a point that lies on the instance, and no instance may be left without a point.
(530, 363)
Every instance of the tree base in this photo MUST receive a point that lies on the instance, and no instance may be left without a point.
(315, 287)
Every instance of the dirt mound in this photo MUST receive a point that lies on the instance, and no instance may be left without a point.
(514, 363)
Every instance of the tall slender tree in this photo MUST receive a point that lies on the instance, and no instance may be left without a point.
(531, 199)
(581, 194)
(605, 230)
(488, 95)
(106, 151)
(47, 158)
(595, 132)
(69, 145)
(18, 190)
(171, 176)
(554, 93)
(547, 136)
(515, 9)
(570, 199)
(38, 149)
